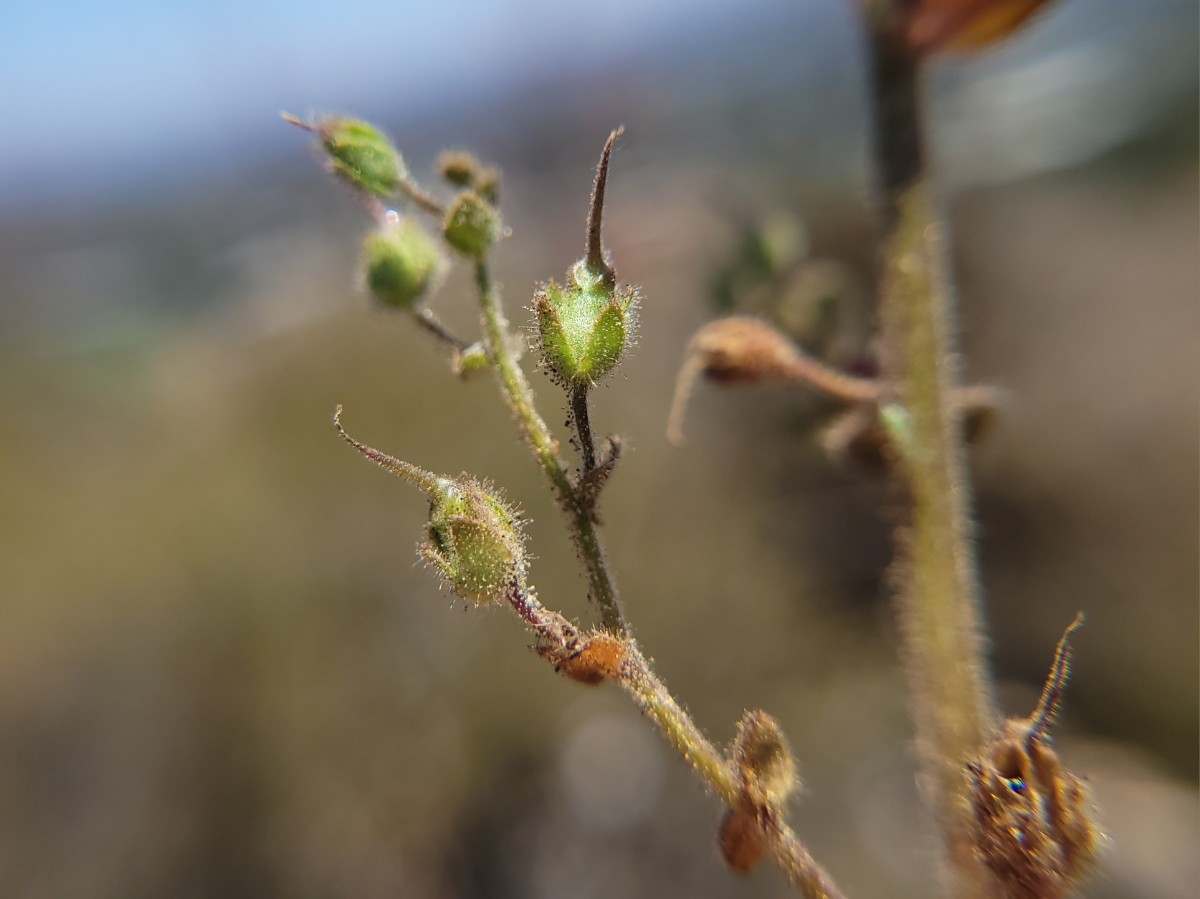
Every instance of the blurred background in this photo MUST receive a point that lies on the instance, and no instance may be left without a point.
(222, 673)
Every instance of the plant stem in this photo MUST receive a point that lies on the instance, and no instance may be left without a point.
(419, 198)
(801, 868)
(938, 599)
(583, 427)
(601, 586)
(652, 695)
(431, 324)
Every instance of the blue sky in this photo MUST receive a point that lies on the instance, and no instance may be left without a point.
(95, 93)
(90, 85)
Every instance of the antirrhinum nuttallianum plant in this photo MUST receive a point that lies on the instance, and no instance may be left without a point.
(1014, 822)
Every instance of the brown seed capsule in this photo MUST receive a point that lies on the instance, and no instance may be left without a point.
(1032, 818)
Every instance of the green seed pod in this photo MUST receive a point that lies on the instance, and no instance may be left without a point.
(401, 264)
(584, 326)
(472, 225)
(361, 155)
(473, 539)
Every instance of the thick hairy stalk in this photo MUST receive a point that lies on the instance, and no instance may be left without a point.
(938, 599)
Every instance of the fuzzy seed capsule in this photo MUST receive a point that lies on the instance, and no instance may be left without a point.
(584, 326)
(1033, 824)
(401, 264)
(472, 225)
(474, 540)
(362, 155)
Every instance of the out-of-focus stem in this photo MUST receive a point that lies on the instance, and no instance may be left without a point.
(434, 326)
(938, 599)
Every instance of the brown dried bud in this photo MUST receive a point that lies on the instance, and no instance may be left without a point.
(764, 759)
(740, 350)
(767, 777)
(600, 656)
(1032, 818)
(741, 838)
(458, 167)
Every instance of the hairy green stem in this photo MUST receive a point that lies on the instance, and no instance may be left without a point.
(938, 602)
(652, 695)
(801, 868)
(601, 586)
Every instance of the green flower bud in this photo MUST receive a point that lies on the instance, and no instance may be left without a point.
(472, 225)
(471, 359)
(584, 326)
(362, 155)
(401, 263)
(474, 539)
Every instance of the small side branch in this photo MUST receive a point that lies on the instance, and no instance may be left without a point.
(433, 326)
(420, 198)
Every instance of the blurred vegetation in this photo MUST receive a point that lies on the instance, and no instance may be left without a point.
(222, 674)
